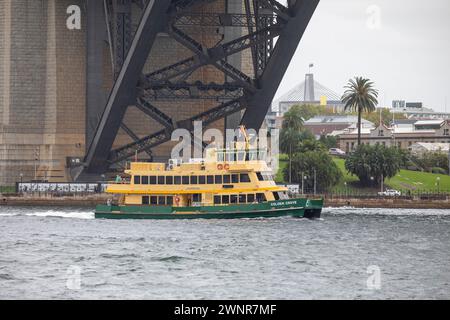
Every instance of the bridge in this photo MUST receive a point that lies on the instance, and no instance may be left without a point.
(245, 46)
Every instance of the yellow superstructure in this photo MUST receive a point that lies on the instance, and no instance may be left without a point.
(224, 177)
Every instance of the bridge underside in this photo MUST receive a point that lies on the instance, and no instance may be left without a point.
(251, 45)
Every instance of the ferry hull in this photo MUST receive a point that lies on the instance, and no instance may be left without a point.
(299, 208)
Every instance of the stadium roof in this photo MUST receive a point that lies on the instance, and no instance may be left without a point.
(307, 91)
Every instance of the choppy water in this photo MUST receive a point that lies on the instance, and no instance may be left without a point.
(43, 250)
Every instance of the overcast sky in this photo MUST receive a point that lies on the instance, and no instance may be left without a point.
(402, 45)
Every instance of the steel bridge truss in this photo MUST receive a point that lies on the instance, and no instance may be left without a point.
(270, 31)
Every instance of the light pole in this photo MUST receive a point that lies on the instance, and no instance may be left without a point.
(303, 184)
(372, 179)
(315, 181)
(438, 180)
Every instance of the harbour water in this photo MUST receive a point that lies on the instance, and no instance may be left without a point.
(50, 253)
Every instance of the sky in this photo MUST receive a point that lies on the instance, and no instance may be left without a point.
(402, 45)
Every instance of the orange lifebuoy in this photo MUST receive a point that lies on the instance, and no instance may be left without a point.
(177, 200)
(227, 167)
(219, 167)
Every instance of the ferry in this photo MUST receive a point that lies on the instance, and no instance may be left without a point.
(227, 184)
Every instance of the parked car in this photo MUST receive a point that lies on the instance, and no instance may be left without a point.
(336, 152)
(390, 193)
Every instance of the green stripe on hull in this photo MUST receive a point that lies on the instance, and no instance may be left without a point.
(294, 208)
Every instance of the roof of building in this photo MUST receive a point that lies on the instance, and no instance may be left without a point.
(432, 146)
(425, 111)
(311, 88)
(428, 122)
(342, 119)
(404, 121)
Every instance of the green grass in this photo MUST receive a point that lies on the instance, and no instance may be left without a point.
(405, 180)
(7, 189)
(419, 181)
(283, 163)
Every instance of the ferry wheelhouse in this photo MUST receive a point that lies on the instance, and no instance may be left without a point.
(228, 183)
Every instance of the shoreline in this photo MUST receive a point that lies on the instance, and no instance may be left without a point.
(92, 200)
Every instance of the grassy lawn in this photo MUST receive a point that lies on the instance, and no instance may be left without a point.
(404, 180)
(283, 163)
(7, 189)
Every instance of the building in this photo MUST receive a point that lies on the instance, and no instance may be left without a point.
(273, 121)
(327, 125)
(416, 110)
(421, 148)
(402, 137)
(308, 92)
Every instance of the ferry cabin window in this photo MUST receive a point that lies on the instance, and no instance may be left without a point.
(162, 201)
(245, 178)
(152, 179)
(154, 200)
(169, 200)
(225, 199)
(262, 155)
(250, 198)
(210, 179)
(185, 179)
(226, 178)
(194, 179)
(233, 199)
(201, 180)
(260, 197)
(197, 197)
(161, 180)
(276, 196)
(253, 155)
(144, 180)
(234, 178)
(217, 200)
(260, 176)
(242, 198)
(177, 180)
(137, 179)
(264, 176)
(218, 179)
(145, 200)
(169, 180)
(231, 156)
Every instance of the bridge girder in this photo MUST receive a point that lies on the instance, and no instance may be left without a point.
(271, 32)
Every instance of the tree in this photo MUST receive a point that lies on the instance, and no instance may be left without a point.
(329, 141)
(308, 111)
(386, 116)
(289, 143)
(360, 96)
(433, 160)
(314, 164)
(293, 119)
(291, 135)
(373, 164)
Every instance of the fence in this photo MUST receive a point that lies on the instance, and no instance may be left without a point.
(59, 189)
(438, 194)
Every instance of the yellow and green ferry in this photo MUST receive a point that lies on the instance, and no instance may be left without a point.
(227, 184)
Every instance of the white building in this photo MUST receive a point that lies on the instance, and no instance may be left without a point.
(416, 111)
(421, 148)
(402, 137)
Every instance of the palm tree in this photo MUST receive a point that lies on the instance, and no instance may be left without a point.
(360, 96)
(291, 134)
